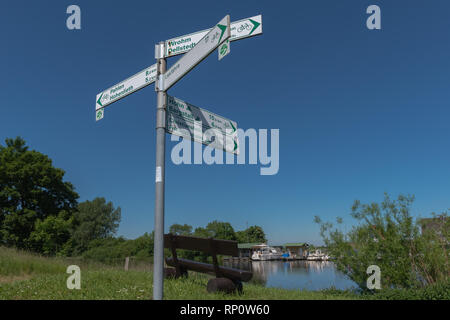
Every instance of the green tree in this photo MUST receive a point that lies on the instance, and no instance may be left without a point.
(389, 237)
(182, 230)
(31, 189)
(433, 261)
(95, 219)
(202, 233)
(221, 230)
(144, 245)
(251, 234)
(52, 233)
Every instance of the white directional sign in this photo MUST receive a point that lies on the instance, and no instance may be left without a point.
(124, 88)
(191, 122)
(202, 49)
(224, 49)
(241, 29)
(99, 114)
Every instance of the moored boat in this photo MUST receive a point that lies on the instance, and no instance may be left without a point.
(317, 256)
(265, 253)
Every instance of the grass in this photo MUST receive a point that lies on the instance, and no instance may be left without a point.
(15, 263)
(29, 276)
(137, 285)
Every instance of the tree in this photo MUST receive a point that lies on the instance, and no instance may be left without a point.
(51, 234)
(182, 230)
(114, 250)
(202, 233)
(433, 261)
(31, 189)
(221, 230)
(253, 234)
(387, 236)
(95, 219)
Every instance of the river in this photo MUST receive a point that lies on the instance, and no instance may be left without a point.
(299, 274)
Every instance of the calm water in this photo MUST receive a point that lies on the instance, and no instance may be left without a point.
(310, 275)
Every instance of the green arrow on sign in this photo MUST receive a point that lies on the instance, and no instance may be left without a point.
(223, 28)
(255, 25)
(234, 129)
(98, 101)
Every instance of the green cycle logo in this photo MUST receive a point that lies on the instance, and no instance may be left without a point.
(244, 27)
(223, 49)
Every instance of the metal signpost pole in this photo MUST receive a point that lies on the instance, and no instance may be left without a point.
(201, 44)
(158, 260)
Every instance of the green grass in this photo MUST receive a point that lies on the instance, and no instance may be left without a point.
(14, 263)
(136, 285)
(29, 276)
(25, 276)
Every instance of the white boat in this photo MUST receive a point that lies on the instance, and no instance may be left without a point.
(264, 253)
(317, 256)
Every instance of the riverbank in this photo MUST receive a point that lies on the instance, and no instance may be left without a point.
(25, 276)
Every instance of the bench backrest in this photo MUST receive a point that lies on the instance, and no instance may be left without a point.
(207, 245)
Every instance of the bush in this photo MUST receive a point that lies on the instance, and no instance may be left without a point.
(114, 250)
(437, 291)
(388, 236)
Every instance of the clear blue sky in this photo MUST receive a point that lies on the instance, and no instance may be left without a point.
(360, 112)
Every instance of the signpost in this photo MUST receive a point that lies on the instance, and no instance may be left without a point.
(99, 114)
(181, 115)
(183, 119)
(241, 29)
(158, 251)
(165, 80)
(126, 87)
(224, 49)
(202, 49)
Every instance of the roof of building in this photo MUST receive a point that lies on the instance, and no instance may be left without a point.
(248, 245)
(296, 244)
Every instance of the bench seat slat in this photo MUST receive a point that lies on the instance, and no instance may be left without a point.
(237, 274)
(223, 247)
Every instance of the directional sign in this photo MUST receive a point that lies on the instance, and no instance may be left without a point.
(241, 29)
(99, 114)
(202, 49)
(224, 49)
(191, 122)
(124, 88)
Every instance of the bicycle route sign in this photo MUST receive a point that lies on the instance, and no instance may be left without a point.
(199, 125)
(126, 87)
(193, 57)
(241, 29)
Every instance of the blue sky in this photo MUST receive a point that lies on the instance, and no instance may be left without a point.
(360, 112)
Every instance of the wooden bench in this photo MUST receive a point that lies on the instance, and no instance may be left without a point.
(227, 279)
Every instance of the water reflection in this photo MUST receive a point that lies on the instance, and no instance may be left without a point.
(300, 274)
